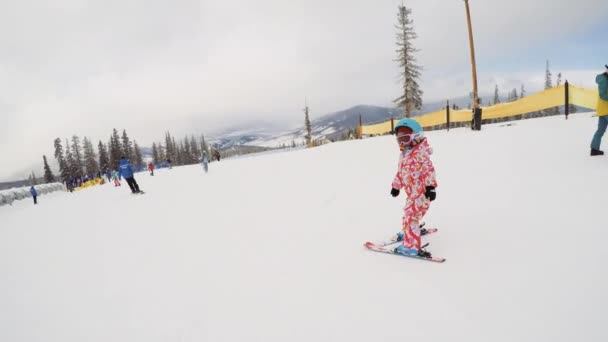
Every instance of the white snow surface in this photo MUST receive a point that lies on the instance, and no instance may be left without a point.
(270, 248)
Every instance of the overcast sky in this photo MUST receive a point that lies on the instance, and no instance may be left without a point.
(83, 67)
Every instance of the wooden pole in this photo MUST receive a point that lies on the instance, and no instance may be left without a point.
(476, 108)
(447, 113)
(360, 133)
(567, 100)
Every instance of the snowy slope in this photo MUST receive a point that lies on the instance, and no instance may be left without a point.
(269, 248)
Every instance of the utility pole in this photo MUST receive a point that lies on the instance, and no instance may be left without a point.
(476, 123)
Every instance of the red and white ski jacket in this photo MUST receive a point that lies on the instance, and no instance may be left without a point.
(416, 170)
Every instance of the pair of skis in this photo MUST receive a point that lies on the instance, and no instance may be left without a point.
(384, 246)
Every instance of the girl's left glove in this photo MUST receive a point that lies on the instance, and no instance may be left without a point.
(430, 193)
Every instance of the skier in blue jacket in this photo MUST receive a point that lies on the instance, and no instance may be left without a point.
(126, 170)
(34, 194)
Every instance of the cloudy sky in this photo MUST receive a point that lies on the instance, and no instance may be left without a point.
(83, 67)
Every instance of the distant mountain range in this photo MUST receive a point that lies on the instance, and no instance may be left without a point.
(327, 126)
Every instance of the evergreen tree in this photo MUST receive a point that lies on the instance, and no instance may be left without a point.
(162, 154)
(411, 96)
(559, 80)
(115, 150)
(204, 146)
(59, 156)
(32, 179)
(155, 155)
(77, 155)
(169, 147)
(127, 147)
(48, 174)
(69, 160)
(515, 96)
(139, 161)
(104, 159)
(187, 153)
(196, 152)
(175, 152)
(548, 81)
(308, 127)
(522, 92)
(90, 158)
(496, 95)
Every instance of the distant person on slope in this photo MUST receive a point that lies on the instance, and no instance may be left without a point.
(416, 175)
(151, 168)
(205, 162)
(34, 194)
(115, 178)
(126, 170)
(602, 113)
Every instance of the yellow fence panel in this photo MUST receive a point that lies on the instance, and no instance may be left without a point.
(583, 97)
(546, 99)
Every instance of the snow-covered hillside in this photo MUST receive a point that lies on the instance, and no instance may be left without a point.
(270, 248)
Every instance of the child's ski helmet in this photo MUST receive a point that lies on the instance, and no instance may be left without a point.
(411, 123)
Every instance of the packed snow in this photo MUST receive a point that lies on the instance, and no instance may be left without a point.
(270, 248)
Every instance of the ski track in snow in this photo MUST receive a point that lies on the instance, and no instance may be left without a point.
(270, 248)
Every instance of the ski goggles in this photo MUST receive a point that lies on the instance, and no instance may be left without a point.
(406, 139)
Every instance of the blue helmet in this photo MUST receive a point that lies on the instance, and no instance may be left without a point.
(411, 123)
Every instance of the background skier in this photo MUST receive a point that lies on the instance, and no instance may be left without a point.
(126, 170)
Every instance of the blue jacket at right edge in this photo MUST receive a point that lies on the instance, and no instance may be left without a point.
(125, 170)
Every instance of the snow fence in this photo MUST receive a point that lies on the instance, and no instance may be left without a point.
(7, 197)
(550, 98)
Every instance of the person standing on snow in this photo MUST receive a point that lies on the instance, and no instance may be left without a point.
(151, 168)
(602, 113)
(205, 162)
(416, 174)
(126, 170)
(34, 194)
(115, 178)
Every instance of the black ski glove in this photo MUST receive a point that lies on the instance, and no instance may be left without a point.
(430, 193)
(394, 192)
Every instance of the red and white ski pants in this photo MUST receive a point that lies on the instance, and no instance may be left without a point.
(414, 211)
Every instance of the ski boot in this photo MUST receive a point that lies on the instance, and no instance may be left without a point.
(399, 236)
(422, 253)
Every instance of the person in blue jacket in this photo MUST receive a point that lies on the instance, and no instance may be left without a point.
(126, 170)
(34, 194)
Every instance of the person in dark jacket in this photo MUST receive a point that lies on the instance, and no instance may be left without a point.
(126, 170)
(602, 112)
(34, 194)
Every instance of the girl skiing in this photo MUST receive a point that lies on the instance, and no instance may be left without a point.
(416, 175)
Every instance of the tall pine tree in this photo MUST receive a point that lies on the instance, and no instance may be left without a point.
(411, 95)
(204, 146)
(104, 158)
(115, 150)
(127, 147)
(522, 92)
(155, 155)
(196, 152)
(77, 154)
(307, 127)
(70, 163)
(90, 158)
(48, 174)
(60, 157)
(548, 75)
(139, 161)
(496, 95)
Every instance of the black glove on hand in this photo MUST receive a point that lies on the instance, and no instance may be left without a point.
(394, 192)
(430, 193)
